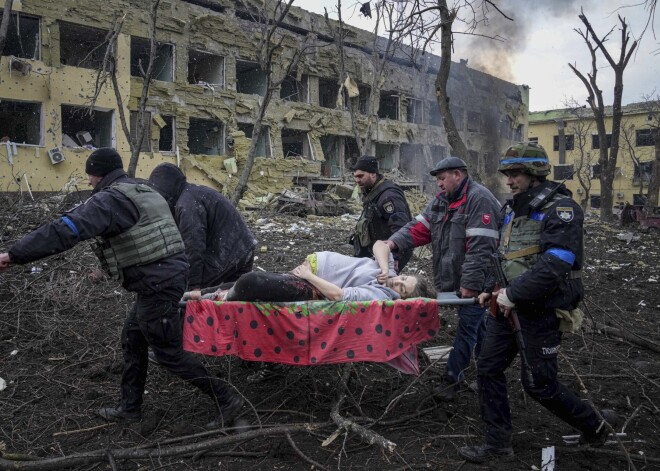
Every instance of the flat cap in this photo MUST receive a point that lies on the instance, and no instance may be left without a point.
(448, 163)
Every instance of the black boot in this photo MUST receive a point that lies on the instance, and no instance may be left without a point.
(446, 390)
(227, 413)
(117, 414)
(599, 437)
(481, 453)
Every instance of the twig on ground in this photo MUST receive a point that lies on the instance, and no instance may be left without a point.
(303, 455)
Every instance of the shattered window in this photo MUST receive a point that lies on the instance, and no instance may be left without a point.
(22, 36)
(263, 146)
(333, 151)
(296, 145)
(385, 155)
(594, 201)
(80, 128)
(166, 139)
(415, 111)
(569, 140)
(328, 90)
(205, 68)
(146, 119)
(389, 105)
(82, 46)
(643, 138)
(293, 89)
(250, 79)
(163, 68)
(412, 160)
(206, 137)
(595, 171)
(20, 122)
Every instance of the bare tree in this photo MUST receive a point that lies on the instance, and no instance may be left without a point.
(608, 156)
(580, 127)
(269, 20)
(108, 71)
(4, 24)
(398, 26)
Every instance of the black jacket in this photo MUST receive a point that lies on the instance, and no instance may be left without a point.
(213, 231)
(547, 284)
(106, 213)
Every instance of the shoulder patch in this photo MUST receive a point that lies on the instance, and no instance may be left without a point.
(388, 206)
(485, 218)
(565, 213)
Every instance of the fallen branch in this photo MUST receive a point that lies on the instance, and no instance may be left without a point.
(630, 337)
(303, 455)
(613, 453)
(98, 456)
(367, 435)
(82, 430)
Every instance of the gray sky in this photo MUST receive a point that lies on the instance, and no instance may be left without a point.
(542, 41)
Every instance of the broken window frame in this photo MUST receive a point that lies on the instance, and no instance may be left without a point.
(107, 135)
(385, 153)
(394, 99)
(196, 124)
(594, 201)
(163, 72)
(435, 119)
(643, 170)
(94, 55)
(14, 41)
(595, 171)
(324, 84)
(302, 88)
(415, 108)
(217, 58)
(458, 113)
(256, 68)
(307, 150)
(265, 139)
(644, 138)
(35, 122)
(569, 139)
(170, 122)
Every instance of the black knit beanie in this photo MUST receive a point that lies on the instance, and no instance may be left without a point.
(366, 163)
(103, 161)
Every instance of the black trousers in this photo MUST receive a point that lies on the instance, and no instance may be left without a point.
(275, 287)
(542, 341)
(155, 321)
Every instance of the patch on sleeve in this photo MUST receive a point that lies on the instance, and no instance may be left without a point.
(388, 207)
(565, 213)
(485, 218)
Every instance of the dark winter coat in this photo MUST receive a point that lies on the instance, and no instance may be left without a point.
(217, 239)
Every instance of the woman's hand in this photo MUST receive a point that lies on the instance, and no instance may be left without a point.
(382, 278)
(304, 270)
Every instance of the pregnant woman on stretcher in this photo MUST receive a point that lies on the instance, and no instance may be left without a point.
(327, 276)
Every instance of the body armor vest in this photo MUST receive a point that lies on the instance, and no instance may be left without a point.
(153, 237)
(369, 228)
(519, 239)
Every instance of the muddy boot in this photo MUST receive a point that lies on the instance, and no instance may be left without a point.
(227, 413)
(600, 436)
(446, 390)
(117, 414)
(482, 453)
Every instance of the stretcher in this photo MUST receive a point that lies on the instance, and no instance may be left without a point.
(315, 332)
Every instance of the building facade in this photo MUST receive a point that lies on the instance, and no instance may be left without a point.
(571, 140)
(206, 92)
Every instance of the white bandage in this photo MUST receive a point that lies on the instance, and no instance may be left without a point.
(503, 300)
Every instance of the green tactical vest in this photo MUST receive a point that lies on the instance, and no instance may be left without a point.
(153, 237)
(519, 240)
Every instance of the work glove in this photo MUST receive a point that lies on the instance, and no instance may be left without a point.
(503, 300)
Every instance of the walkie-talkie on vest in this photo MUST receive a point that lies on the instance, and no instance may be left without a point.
(546, 193)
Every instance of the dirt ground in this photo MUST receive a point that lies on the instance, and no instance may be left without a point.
(60, 360)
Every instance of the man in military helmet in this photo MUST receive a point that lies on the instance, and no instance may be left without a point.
(460, 223)
(541, 255)
(385, 210)
(140, 246)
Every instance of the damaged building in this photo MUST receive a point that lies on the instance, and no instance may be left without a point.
(205, 95)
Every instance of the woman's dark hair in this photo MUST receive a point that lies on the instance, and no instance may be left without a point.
(423, 289)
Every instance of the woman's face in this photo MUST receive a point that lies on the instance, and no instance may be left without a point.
(402, 284)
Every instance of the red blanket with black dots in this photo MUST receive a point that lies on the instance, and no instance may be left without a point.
(312, 333)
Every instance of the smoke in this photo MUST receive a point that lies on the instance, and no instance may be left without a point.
(497, 40)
